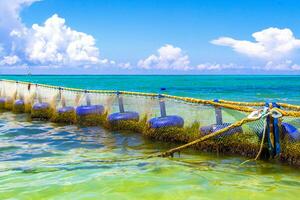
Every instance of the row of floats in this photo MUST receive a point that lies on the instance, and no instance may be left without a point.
(88, 113)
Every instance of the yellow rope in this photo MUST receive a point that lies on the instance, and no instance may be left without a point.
(242, 103)
(289, 106)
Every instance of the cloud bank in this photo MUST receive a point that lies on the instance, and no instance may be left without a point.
(52, 43)
(275, 46)
(56, 43)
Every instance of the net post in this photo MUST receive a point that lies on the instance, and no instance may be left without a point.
(162, 104)
(87, 98)
(120, 101)
(38, 95)
(63, 102)
(218, 113)
(268, 130)
(276, 131)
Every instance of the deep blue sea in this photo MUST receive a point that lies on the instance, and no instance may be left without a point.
(229, 87)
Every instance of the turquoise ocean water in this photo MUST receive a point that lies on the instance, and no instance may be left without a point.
(42, 160)
(235, 87)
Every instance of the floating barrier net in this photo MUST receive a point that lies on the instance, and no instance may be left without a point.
(270, 130)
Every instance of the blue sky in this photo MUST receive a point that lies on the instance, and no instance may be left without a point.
(145, 37)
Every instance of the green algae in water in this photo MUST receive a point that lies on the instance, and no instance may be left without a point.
(7, 105)
(25, 108)
(42, 114)
(67, 164)
(138, 126)
(19, 108)
(64, 118)
(91, 119)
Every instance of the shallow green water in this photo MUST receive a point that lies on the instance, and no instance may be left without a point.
(40, 160)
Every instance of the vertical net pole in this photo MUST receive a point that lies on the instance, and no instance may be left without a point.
(276, 127)
(38, 95)
(120, 101)
(218, 113)
(87, 98)
(162, 106)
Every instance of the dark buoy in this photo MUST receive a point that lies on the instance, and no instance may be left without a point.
(215, 127)
(90, 115)
(2, 103)
(115, 117)
(90, 110)
(219, 125)
(165, 121)
(6, 103)
(291, 131)
(19, 106)
(66, 115)
(66, 109)
(41, 110)
(122, 116)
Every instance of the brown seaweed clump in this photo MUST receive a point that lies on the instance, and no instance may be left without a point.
(290, 151)
(91, 119)
(42, 113)
(21, 108)
(65, 117)
(245, 144)
(128, 125)
(174, 134)
(6, 104)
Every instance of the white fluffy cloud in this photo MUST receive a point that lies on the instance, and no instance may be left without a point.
(52, 43)
(168, 57)
(56, 43)
(217, 66)
(269, 43)
(9, 60)
(273, 45)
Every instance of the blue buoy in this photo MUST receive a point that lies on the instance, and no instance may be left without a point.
(122, 116)
(41, 111)
(19, 106)
(66, 109)
(89, 109)
(6, 103)
(291, 131)
(167, 121)
(65, 115)
(40, 106)
(19, 102)
(215, 127)
(2, 100)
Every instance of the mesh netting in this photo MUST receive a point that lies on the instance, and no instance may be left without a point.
(148, 105)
